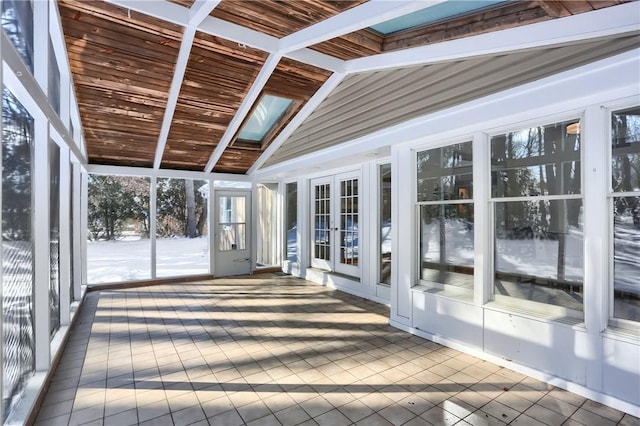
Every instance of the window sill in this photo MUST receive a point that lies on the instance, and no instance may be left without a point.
(450, 292)
(621, 330)
(536, 311)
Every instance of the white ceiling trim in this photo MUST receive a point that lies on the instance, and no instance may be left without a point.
(354, 19)
(239, 34)
(100, 169)
(160, 9)
(308, 108)
(199, 11)
(613, 20)
(253, 93)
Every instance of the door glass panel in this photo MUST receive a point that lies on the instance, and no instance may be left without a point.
(322, 222)
(232, 223)
(291, 220)
(385, 223)
(54, 237)
(349, 222)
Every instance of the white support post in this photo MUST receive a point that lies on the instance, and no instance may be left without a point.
(40, 235)
(211, 226)
(404, 220)
(65, 236)
(596, 144)
(304, 219)
(78, 259)
(482, 279)
(153, 184)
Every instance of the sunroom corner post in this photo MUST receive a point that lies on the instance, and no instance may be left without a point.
(153, 203)
(482, 280)
(596, 219)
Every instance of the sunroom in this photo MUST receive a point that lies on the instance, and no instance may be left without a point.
(472, 165)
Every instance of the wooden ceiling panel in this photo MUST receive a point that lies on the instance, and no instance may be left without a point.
(352, 46)
(280, 18)
(217, 78)
(122, 70)
(185, 3)
(236, 160)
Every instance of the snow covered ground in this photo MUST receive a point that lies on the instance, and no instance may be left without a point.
(130, 259)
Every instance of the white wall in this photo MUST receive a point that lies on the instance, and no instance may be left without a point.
(579, 355)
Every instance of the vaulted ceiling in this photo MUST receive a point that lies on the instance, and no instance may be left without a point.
(170, 84)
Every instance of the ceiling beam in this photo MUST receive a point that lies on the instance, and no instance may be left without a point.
(351, 20)
(308, 108)
(160, 9)
(317, 59)
(248, 101)
(610, 21)
(199, 10)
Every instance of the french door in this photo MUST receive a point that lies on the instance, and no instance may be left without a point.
(335, 223)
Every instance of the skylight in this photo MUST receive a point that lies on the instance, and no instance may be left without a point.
(264, 117)
(444, 10)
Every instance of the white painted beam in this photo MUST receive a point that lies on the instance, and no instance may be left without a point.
(160, 9)
(610, 21)
(174, 92)
(317, 59)
(200, 10)
(309, 107)
(239, 34)
(100, 169)
(354, 19)
(248, 101)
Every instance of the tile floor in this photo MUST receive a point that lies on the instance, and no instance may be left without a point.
(275, 350)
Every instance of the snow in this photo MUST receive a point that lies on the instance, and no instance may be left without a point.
(129, 259)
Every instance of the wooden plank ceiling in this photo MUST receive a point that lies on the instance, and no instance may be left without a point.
(123, 65)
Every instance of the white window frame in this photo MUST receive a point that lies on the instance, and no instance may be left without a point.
(615, 324)
(447, 290)
(524, 306)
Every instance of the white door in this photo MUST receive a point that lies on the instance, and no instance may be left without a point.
(335, 223)
(232, 233)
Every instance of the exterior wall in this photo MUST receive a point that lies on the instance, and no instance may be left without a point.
(587, 356)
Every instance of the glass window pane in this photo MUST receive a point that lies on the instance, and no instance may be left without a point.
(625, 147)
(539, 251)
(541, 160)
(322, 233)
(54, 237)
(626, 258)
(291, 221)
(264, 117)
(181, 227)
(54, 80)
(17, 250)
(446, 244)
(445, 173)
(438, 12)
(119, 248)
(17, 22)
(385, 223)
(349, 223)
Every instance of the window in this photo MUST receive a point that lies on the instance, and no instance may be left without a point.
(438, 12)
(445, 211)
(625, 184)
(119, 248)
(232, 223)
(291, 222)
(537, 207)
(54, 237)
(18, 339)
(182, 227)
(54, 80)
(266, 119)
(17, 22)
(384, 222)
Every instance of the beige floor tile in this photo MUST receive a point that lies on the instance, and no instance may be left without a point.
(280, 360)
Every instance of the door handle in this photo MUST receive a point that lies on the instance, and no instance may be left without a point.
(242, 260)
